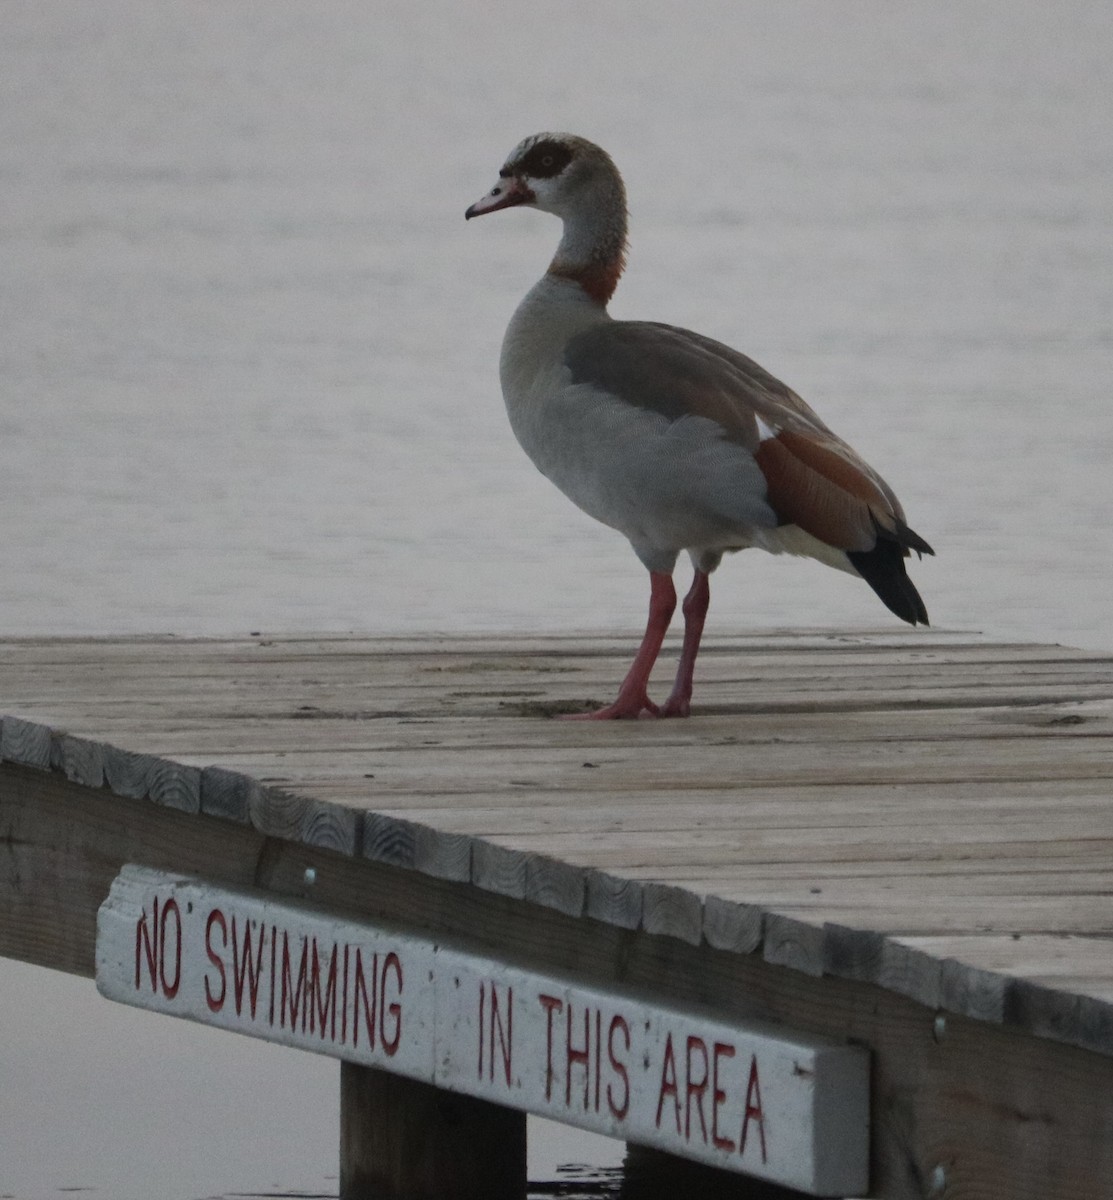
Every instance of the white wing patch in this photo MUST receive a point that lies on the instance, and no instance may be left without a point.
(764, 431)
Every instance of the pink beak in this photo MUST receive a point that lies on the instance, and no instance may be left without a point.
(505, 194)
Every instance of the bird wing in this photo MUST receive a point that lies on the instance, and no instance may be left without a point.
(814, 480)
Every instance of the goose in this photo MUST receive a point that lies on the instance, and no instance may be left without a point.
(669, 437)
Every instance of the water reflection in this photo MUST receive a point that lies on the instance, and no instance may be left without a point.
(249, 374)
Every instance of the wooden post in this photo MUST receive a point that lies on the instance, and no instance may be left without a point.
(655, 1175)
(401, 1139)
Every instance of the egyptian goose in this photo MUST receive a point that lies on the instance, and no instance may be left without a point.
(673, 439)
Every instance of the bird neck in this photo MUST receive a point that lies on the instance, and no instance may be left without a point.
(592, 251)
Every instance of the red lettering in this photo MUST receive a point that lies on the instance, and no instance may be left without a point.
(551, 1004)
(244, 970)
(274, 948)
(504, 1036)
(598, 1054)
(146, 946)
(150, 945)
(574, 1054)
(668, 1084)
(718, 1095)
(294, 999)
(344, 1005)
(390, 1044)
(170, 990)
(694, 1087)
(216, 917)
(322, 1006)
(619, 1111)
(370, 1014)
(753, 1111)
(482, 1028)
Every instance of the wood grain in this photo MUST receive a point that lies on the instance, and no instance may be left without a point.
(1008, 1115)
(928, 813)
(401, 1139)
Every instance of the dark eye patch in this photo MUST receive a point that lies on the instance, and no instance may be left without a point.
(544, 161)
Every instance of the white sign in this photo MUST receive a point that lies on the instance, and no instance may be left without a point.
(745, 1097)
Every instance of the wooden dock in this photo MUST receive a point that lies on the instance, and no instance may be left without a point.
(901, 842)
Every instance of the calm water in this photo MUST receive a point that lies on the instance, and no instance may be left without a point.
(249, 352)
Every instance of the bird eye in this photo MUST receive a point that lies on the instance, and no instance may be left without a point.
(547, 161)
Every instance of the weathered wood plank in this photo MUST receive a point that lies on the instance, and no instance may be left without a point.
(228, 794)
(673, 912)
(338, 676)
(554, 883)
(1006, 1115)
(614, 901)
(908, 916)
(147, 777)
(209, 728)
(789, 942)
(437, 648)
(79, 759)
(932, 786)
(420, 847)
(300, 818)
(401, 1139)
(500, 701)
(1036, 956)
(24, 742)
(728, 925)
(787, 765)
(500, 870)
(880, 809)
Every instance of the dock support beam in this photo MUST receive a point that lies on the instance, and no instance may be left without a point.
(401, 1139)
(654, 1175)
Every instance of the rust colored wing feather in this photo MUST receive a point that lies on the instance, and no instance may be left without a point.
(818, 487)
(814, 479)
(822, 486)
(822, 491)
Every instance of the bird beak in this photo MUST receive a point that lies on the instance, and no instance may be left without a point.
(506, 193)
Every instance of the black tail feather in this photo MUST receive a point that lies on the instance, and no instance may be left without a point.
(907, 538)
(883, 569)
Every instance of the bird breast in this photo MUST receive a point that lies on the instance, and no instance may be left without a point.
(667, 484)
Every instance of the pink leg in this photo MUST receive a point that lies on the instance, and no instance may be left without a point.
(633, 698)
(679, 703)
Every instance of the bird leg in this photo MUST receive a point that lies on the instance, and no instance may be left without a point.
(633, 698)
(695, 605)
